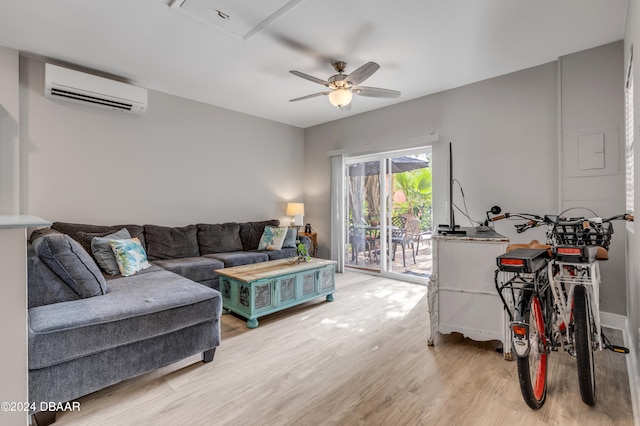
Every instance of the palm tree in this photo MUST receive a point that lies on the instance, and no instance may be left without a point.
(416, 186)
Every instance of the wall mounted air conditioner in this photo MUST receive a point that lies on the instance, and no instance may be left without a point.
(74, 86)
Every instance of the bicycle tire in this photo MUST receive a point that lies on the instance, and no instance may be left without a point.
(584, 338)
(532, 369)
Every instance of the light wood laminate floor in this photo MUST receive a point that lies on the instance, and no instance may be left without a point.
(360, 360)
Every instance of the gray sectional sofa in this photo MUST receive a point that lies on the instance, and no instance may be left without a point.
(89, 330)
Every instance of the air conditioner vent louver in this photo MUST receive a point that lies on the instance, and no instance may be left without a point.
(74, 86)
(90, 99)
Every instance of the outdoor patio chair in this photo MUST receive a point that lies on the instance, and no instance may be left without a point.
(425, 238)
(400, 237)
(406, 228)
(358, 242)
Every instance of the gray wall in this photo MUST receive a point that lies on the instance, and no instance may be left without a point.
(592, 104)
(9, 138)
(181, 162)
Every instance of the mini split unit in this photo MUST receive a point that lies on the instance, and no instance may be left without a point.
(74, 86)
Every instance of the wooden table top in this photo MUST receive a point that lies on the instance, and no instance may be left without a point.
(271, 269)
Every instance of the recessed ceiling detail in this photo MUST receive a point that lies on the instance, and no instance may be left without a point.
(241, 19)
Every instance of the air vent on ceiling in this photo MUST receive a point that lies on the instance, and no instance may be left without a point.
(241, 19)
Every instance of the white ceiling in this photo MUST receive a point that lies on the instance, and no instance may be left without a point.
(422, 46)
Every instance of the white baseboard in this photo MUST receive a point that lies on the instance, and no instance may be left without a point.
(621, 323)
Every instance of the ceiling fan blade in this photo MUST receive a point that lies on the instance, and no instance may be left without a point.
(363, 73)
(309, 77)
(375, 92)
(309, 96)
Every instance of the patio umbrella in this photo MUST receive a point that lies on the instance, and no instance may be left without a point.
(398, 165)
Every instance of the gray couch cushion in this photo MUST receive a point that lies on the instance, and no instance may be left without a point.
(85, 238)
(69, 261)
(136, 308)
(103, 253)
(238, 258)
(41, 232)
(164, 242)
(285, 253)
(291, 238)
(219, 238)
(195, 268)
(72, 230)
(251, 232)
(44, 286)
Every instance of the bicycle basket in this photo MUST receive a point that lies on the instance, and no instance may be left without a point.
(573, 234)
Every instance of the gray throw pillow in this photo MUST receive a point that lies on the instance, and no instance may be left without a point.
(290, 238)
(103, 253)
(68, 260)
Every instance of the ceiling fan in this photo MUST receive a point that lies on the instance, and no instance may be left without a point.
(343, 86)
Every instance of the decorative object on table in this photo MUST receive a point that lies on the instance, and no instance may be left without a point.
(307, 228)
(297, 211)
(313, 236)
(303, 254)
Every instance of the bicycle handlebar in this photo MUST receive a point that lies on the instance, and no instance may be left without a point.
(534, 221)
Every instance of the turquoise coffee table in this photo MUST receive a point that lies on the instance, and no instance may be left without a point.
(263, 288)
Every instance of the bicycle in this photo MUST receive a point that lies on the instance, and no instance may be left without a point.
(551, 294)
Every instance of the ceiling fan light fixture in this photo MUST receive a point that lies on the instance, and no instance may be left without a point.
(340, 97)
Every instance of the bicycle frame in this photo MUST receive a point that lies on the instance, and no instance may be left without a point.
(563, 296)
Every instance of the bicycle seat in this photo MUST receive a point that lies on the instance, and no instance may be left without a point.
(534, 244)
(602, 254)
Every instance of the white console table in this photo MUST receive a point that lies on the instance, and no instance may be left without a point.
(461, 290)
(13, 313)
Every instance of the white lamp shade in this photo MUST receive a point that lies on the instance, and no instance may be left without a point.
(297, 211)
(340, 97)
(295, 208)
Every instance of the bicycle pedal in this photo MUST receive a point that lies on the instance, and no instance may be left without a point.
(617, 349)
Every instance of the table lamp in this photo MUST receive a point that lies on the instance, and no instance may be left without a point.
(297, 211)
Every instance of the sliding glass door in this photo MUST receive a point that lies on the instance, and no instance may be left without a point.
(362, 227)
(388, 213)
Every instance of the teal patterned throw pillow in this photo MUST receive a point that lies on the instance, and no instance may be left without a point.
(130, 256)
(272, 238)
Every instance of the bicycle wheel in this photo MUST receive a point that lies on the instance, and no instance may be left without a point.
(584, 337)
(532, 369)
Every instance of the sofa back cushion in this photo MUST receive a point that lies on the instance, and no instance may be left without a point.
(72, 229)
(69, 261)
(165, 242)
(251, 232)
(44, 286)
(219, 238)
